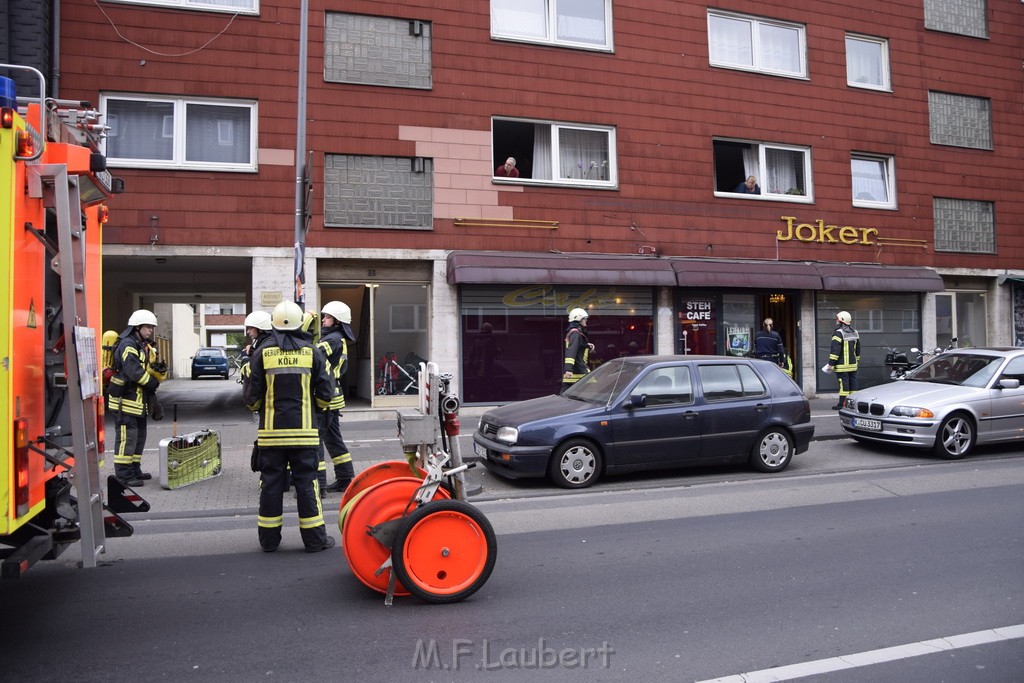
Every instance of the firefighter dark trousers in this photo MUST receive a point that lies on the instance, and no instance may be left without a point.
(274, 464)
(847, 383)
(129, 441)
(333, 446)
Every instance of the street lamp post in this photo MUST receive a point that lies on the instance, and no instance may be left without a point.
(301, 164)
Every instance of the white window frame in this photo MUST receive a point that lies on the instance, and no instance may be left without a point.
(869, 320)
(911, 320)
(755, 44)
(178, 133)
(196, 5)
(551, 7)
(806, 198)
(889, 164)
(886, 84)
(611, 182)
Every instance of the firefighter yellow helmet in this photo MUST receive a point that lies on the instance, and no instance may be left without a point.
(578, 314)
(258, 319)
(844, 317)
(337, 310)
(287, 316)
(142, 317)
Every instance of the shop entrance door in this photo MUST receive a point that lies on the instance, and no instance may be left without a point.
(783, 309)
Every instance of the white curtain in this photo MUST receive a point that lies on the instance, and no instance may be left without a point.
(780, 48)
(519, 18)
(730, 41)
(869, 181)
(751, 163)
(863, 62)
(785, 169)
(581, 21)
(582, 154)
(542, 152)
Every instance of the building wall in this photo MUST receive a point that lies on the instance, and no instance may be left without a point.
(657, 89)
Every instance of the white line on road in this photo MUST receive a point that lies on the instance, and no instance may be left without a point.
(888, 654)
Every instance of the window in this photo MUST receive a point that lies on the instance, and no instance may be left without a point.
(868, 320)
(867, 62)
(960, 120)
(911, 320)
(238, 6)
(180, 133)
(741, 42)
(378, 192)
(571, 23)
(872, 181)
(666, 386)
(556, 153)
(964, 225)
(960, 316)
(723, 382)
(782, 172)
(963, 17)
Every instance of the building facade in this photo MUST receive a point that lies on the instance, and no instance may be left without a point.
(883, 142)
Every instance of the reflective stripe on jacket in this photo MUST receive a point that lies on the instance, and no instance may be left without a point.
(335, 348)
(132, 380)
(577, 353)
(844, 350)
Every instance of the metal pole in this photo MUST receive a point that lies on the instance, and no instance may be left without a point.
(300, 162)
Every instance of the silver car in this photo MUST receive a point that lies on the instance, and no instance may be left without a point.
(951, 403)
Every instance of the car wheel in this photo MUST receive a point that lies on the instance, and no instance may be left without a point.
(772, 451)
(195, 376)
(955, 438)
(576, 464)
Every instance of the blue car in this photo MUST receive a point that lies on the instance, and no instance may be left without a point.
(651, 412)
(212, 360)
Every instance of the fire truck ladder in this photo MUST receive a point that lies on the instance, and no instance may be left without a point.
(60, 192)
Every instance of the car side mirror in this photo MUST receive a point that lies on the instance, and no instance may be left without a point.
(1007, 383)
(635, 401)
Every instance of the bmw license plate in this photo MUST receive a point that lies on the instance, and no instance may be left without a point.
(479, 450)
(872, 425)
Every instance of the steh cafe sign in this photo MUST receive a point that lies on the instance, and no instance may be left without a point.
(819, 232)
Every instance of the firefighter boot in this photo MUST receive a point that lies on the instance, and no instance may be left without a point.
(126, 475)
(342, 478)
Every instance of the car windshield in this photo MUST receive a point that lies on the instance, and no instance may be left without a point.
(210, 353)
(604, 383)
(959, 369)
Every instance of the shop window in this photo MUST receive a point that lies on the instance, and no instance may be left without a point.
(874, 186)
(960, 315)
(568, 23)
(556, 153)
(754, 44)
(782, 172)
(867, 62)
(236, 6)
(513, 337)
(152, 132)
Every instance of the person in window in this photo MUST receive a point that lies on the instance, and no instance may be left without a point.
(768, 343)
(507, 169)
(749, 186)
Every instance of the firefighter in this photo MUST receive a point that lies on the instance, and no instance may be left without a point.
(287, 383)
(132, 396)
(844, 356)
(257, 329)
(335, 333)
(577, 349)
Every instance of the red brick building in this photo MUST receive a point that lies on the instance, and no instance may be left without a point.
(884, 139)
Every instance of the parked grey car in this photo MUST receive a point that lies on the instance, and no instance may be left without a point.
(651, 412)
(951, 403)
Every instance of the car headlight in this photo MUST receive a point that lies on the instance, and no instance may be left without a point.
(910, 411)
(507, 435)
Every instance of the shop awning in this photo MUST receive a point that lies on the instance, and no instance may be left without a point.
(870, 278)
(746, 274)
(487, 268)
(1010, 279)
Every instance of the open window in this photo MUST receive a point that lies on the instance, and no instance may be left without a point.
(782, 172)
(556, 153)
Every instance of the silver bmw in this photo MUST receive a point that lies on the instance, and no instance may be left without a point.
(950, 404)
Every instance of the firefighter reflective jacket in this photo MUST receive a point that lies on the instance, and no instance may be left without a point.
(332, 343)
(132, 381)
(577, 353)
(844, 352)
(288, 382)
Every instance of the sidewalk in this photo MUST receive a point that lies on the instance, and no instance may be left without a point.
(371, 440)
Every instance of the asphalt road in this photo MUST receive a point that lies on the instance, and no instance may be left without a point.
(673, 583)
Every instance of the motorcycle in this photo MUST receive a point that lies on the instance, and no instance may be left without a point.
(900, 364)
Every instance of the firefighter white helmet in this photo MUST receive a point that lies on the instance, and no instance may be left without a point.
(339, 311)
(286, 316)
(258, 319)
(578, 314)
(844, 317)
(142, 317)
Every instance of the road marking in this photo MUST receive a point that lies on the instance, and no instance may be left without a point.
(888, 654)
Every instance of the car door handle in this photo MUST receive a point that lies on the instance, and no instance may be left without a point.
(760, 407)
(689, 415)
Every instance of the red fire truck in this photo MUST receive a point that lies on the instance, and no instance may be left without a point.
(53, 189)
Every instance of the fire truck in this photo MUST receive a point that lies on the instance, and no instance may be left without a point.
(53, 189)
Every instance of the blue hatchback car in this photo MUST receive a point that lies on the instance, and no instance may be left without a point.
(211, 360)
(651, 412)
